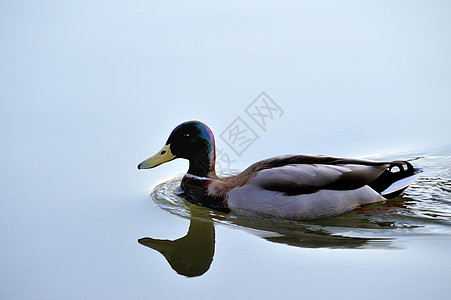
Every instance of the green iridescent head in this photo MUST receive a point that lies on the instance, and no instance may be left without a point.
(192, 140)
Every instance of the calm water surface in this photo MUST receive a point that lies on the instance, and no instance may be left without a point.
(88, 89)
(417, 222)
(76, 236)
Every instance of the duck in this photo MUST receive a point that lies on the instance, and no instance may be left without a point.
(292, 186)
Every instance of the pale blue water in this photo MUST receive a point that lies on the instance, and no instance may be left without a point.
(90, 89)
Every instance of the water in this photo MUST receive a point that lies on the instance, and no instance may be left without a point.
(120, 244)
(88, 89)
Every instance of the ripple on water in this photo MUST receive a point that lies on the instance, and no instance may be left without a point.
(424, 208)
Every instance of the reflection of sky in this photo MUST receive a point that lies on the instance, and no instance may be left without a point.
(88, 89)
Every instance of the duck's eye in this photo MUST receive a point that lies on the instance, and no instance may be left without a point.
(162, 152)
(186, 134)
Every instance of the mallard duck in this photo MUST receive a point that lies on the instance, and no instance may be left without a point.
(289, 186)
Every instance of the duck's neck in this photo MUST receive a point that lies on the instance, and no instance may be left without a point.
(203, 164)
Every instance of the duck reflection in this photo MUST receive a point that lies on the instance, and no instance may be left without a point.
(314, 234)
(192, 254)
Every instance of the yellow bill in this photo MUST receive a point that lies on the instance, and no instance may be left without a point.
(164, 155)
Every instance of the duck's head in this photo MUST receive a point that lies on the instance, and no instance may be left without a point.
(192, 140)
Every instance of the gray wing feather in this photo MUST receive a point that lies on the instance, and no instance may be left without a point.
(308, 178)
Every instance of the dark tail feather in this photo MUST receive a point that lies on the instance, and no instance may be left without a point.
(395, 179)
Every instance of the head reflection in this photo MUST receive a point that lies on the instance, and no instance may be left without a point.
(192, 254)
